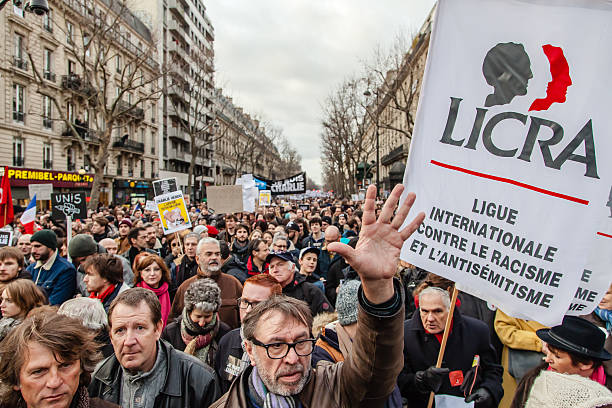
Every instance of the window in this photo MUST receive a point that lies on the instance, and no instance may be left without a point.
(18, 152)
(47, 156)
(71, 67)
(129, 98)
(70, 111)
(153, 142)
(153, 112)
(18, 10)
(47, 65)
(119, 64)
(48, 21)
(69, 33)
(47, 107)
(119, 166)
(142, 169)
(18, 58)
(70, 160)
(18, 103)
(142, 135)
(86, 41)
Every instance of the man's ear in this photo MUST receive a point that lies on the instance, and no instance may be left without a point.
(158, 329)
(248, 346)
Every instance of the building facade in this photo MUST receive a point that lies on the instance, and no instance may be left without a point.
(241, 144)
(42, 84)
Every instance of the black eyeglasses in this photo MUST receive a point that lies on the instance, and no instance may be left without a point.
(244, 304)
(276, 351)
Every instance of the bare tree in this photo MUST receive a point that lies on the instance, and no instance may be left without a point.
(111, 80)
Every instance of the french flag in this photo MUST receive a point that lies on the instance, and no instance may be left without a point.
(29, 216)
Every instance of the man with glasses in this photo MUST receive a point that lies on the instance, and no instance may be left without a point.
(231, 359)
(279, 342)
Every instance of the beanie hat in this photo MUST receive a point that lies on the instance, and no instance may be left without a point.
(126, 221)
(46, 237)
(203, 294)
(200, 229)
(346, 302)
(82, 245)
(552, 389)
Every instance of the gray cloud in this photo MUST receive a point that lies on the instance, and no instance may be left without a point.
(281, 58)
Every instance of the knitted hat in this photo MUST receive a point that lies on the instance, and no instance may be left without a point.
(45, 237)
(555, 390)
(203, 294)
(200, 229)
(82, 245)
(126, 221)
(346, 302)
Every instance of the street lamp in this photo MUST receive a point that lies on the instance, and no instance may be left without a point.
(367, 94)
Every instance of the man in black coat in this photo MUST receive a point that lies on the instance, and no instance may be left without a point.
(469, 368)
(282, 268)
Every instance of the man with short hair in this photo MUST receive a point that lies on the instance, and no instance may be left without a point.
(146, 371)
(469, 350)
(231, 360)
(110, 245)
(208, 256)
(258, 253)
(316, 237)
(152, 241)
(227, 235)
(240, 246)
(99, 228)
(282, 268)
(46, 361)
(23, 243)
(327, 257)
(137, 237)
(52, 273)
(188, 266)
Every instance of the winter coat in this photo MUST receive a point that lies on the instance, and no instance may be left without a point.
(364, 380)
(228, 358)
(231, 290)
(235, 268)
(188, 382)
(326, 260)
(337, 272)
(59, 282)
(469, 337)
(172, 334)
(242, 252)
(185, 270)
(518, 333)
(299, 289)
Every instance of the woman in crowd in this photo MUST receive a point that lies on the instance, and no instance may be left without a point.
(575, 347)
(150, 272)
(256, 234)
(198, 330)
(267, 236)
(602, 318)
(18, 299)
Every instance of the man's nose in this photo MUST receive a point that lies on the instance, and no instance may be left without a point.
(291, 357)
(54, 380)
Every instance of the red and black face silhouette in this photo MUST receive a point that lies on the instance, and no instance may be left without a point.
(507, 69)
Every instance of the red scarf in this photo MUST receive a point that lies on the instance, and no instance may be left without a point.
(164, 298)
(250, 267)
(104, 294)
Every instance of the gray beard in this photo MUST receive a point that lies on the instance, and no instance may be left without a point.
(273, 386)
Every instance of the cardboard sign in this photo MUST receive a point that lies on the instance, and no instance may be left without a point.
(68, 205)
(510, 158)
(41, 191)
(265, 198)
(225, 199)
(6, 238)
(165, 186)
(150, 206)
(173, 212)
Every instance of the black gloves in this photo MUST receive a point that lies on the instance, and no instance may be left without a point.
(430, 379)
(481, 397)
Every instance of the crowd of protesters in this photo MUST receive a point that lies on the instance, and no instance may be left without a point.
(299, 304)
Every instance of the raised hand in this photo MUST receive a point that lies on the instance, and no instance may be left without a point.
(377, 252)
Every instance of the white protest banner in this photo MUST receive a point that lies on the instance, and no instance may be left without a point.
(265, 198)
(510, 157)
(173, 212)
(41, 191)
(250, 192)
(150, 206)
(224, 199)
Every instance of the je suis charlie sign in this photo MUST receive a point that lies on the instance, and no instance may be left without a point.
(511, 154)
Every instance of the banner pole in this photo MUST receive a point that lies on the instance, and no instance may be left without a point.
(68, 235)
(449, 320)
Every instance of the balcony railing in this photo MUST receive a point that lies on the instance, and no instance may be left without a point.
(128, 144)
(20, 63)
(49, 76)
(78, 85)
(47, 123)
(18, 116)
(394, 155)
(18, 161)
(48, 28)
(131, 110)
(47, 164)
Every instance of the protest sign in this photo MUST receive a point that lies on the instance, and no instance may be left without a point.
(71, 205)
(509, 157)
(224, 199)
(290, 185)
(173, 212)
(41, 191)
(150, 206)
(250, 192)
(5, 238)
(265, 198)
(165, 186)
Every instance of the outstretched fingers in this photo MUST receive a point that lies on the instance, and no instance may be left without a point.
(344, 250)
(414, 224)
(403, 211)
(390, 204)
(369, 207)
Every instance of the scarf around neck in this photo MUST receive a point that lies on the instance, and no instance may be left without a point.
(103, 295)
(261, 397)
(196, 338)
(606, 316)
(164, 298)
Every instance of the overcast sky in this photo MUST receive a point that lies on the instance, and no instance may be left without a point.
(280, 59)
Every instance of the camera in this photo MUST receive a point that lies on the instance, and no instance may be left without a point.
(38, 7)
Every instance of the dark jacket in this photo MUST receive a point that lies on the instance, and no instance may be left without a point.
(188, 382)
(364, 380)
(131, 253)
(228, 359)
(469, 337)
(172, 334)
(298, 288)
(235, 268)
(59, 282)
(309, 241)
(185, 270)
(337, 272)
(326, 260)
(242, 252)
